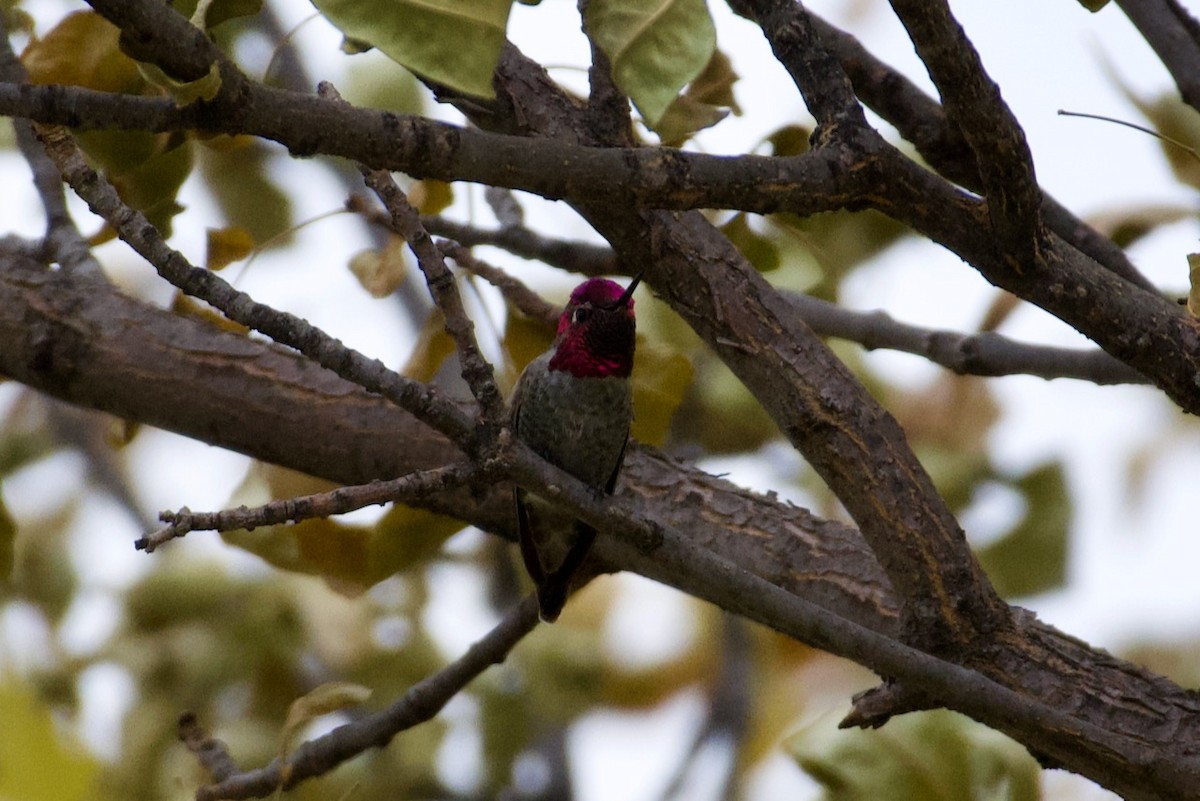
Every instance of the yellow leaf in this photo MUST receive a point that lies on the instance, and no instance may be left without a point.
(82, 50)
(225, 246)
(380, 271)
(431, 197)
(1193, 300)
(36, 764)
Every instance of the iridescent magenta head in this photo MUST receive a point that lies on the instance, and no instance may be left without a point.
(596, 331)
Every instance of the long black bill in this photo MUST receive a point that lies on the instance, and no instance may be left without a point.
(628, 293)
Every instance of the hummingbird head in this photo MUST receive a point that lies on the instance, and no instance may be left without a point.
(596, 330)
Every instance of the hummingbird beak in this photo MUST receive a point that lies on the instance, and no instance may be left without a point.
(623, 301)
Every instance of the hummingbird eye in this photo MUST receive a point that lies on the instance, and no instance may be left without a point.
(581, 313)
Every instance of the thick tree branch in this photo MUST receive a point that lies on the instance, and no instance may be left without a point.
(92, 346)
(284, 328)
(973, 104)
(920, 120)
(1175, 36)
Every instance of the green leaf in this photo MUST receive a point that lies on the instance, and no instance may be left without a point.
(448, 41)
(708, 100)
(656, 47)
(927, 756)
(759, 250)
(661, 377)
(1032, 557)
(237, 172)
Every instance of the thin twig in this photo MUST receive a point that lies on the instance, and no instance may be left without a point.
(322, 504)
(286, 329)
(63, 242)
(522, 298)
(422, 701)
(405, 221)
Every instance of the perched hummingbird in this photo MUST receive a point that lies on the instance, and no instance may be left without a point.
(572, 406)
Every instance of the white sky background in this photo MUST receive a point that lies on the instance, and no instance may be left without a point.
(1133, 552)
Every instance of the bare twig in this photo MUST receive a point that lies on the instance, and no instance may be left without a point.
(520, 296)
(286, 329)
(322, 504)
(422, 701)
(406, 222)
(63, 242)
(974, 104)
(985, 354)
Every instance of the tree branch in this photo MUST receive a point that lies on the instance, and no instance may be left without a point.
(406, 489)
(284, 328)
(921, 121)
(1175, 36)
(973, 104)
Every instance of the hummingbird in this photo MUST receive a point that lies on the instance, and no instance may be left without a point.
(573, 405)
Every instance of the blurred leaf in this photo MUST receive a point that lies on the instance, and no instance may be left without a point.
(236, 171)
(380, 271)
(790, 140)
(82, 50)
(431, 197)
(685, 117)
(223, 246)
(220, 10)
(1193, 298)
(8, 540)
(450, 42)
(720, 413)
(1032, 557)
(184, 92)
(1127, 226)
(1173, 120)
(707, 100)
(36, 763)
(918, 757)
(147, 168)
(526, 339)
(379, 82)
(759, 250)
(661, 377)
(656, 47)
(1093, 5)
(840, 241)
(350, 557)
(714, 85)
(433, 347)
(190, 307)
(332, 696)
(406, 538)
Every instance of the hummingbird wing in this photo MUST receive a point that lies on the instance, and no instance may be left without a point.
(552, 588)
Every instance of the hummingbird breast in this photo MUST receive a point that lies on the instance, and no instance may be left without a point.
(578, 424)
